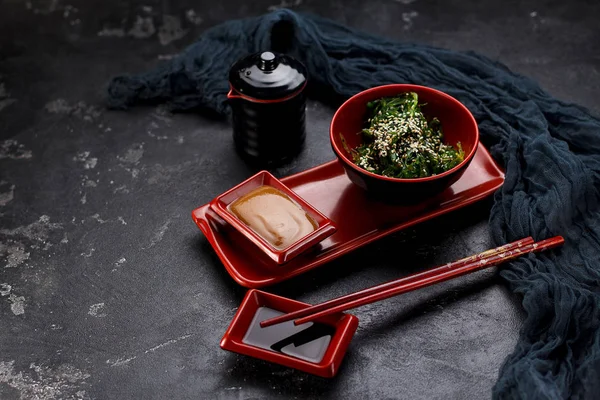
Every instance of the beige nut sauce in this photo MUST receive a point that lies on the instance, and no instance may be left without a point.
(273, 215)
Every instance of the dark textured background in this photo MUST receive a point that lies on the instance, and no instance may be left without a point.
(108, 289)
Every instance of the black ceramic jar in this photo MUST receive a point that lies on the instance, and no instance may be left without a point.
(268, 105)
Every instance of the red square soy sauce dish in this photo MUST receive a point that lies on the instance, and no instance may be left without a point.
(325, 226)
(236, 338)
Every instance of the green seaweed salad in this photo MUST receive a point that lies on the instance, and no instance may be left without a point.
(400, 142)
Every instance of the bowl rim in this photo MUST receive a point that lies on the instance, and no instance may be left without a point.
(405, 87)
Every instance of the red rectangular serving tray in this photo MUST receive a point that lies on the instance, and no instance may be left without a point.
(359, 220)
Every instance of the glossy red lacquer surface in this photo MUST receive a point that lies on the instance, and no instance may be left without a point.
(359, 219)
(280, 256)
(345, 326)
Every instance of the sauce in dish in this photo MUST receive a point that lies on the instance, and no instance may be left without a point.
(307, 341)
(274, 216)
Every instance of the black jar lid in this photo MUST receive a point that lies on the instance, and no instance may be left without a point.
(268, 76)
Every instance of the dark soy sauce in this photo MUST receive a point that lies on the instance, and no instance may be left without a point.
(307, 342)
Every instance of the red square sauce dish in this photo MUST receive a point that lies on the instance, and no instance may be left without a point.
(273, 217)
(316, 348)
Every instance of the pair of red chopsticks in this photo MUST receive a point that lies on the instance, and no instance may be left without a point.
(486, 259)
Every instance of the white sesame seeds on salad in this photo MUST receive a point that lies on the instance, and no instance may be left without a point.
(401, 142)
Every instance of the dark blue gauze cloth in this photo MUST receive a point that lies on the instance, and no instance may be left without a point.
(550, 151)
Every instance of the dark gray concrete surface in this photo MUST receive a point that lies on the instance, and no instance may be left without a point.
(107, 288)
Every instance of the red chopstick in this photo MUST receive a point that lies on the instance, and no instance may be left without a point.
(440, 277)
(402, 281)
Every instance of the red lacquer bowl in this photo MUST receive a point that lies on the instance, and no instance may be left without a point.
(458, 125)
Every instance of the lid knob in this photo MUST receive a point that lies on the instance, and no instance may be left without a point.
(267, 61)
